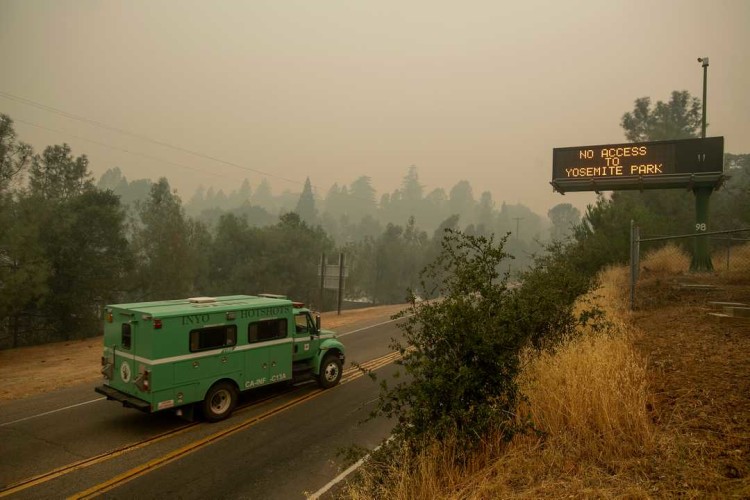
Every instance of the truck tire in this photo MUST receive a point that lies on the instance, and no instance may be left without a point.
(220, 401)
(330, 371)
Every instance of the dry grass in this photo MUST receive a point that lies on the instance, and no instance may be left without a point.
(434, 473)
(590, 396)
(661, 409)
(588, 402)
(613, 291)
(669, 259)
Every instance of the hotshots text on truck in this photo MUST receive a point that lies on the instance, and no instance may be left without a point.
(203, 351)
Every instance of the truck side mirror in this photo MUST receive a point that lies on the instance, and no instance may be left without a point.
(317, 322)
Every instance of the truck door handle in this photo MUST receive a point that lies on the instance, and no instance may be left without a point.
(196, 364)
(223, 359)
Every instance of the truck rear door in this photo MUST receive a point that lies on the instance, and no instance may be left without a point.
(120, 347)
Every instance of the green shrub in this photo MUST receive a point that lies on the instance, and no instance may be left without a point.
(461, 351)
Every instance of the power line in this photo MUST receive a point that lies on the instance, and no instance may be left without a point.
(160, 160)
(96, 123)
(136, 153)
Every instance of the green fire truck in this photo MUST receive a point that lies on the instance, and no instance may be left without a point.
(201, 352)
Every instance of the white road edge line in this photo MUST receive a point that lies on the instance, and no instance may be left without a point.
(51, 411)
(339, 335)
(322, 491)
(102, 399)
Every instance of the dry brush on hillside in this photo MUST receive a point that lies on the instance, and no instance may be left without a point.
(654, 404)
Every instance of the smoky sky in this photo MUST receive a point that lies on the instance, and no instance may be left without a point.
(333, 90)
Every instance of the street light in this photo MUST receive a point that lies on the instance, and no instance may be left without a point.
(701, 260)
(704, 62)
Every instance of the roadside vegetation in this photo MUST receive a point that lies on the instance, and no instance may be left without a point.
(548, 388)
(598, 417)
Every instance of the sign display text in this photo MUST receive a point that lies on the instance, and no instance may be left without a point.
(638, 165)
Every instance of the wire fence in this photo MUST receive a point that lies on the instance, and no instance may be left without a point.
(730, 252)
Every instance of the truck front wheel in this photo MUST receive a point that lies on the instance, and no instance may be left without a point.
(330, 371)
(219, 402)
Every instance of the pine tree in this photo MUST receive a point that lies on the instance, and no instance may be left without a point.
(306, 205)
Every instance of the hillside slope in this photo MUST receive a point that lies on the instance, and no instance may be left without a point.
(657, 404)
(699, 380)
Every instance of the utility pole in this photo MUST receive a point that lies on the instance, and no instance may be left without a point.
(322, 281)
(341, 282)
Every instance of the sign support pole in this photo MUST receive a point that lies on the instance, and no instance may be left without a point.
(701, 261)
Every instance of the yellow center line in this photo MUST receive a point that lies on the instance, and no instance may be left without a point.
(158, 462)
(349, 374)
(88, 462)
(103, 457)
(187, 449)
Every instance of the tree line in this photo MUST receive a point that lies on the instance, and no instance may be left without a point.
(349, 213)
(70, 245)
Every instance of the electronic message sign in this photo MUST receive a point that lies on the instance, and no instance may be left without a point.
(641, 165)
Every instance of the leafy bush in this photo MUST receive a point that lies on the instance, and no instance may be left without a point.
(542, 308)
(461, 351)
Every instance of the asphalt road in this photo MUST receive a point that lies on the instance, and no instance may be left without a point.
(282, 443)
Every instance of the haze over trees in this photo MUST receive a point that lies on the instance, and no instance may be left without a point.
(564, 217)
(69, 245)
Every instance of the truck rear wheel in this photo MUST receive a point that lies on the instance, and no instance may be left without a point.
(220, 401)
(330, 371)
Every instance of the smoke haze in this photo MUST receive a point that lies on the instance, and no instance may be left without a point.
(480, 91)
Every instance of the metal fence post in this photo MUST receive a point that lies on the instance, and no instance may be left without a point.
(637, 252)
(341, 282)
(632, 265)
(729, 245)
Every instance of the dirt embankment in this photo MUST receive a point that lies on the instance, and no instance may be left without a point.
(28, 371)
(699, 371)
